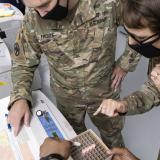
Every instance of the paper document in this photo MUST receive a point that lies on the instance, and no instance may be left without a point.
(6, 10)
(22, 147)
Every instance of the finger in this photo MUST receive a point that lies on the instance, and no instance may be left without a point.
(113, 75)
(119, 108)
(27, 119)
(153, 77)
(114, 81)
(16, 127)
(115, 114)
(111, 109)
(154, 73)
(109, 152)
(98, 111)
(104, 109)
(118, 82)
(156, 82)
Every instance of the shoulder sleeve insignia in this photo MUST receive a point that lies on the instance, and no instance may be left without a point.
(16, 49)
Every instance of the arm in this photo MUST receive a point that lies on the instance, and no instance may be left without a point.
(138, 102)
(128, 60)
(143, 100)
(25, 60)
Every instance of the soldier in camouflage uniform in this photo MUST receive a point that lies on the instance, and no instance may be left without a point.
(149, 95)
(80, 50)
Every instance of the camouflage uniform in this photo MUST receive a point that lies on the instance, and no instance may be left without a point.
(147, 97)
(81, 55)
(159, 155)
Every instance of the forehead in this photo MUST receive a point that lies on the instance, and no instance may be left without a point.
(146, 31)
(36, 3)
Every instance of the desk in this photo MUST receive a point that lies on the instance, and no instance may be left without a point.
(26, 145)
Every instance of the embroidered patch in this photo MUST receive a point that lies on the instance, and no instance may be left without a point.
(16, 49)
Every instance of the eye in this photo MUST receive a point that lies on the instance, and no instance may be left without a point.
(141, 38)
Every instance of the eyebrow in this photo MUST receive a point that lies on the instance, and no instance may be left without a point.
(139, 37)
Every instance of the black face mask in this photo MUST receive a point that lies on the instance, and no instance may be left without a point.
(147, 49)
(57, 13)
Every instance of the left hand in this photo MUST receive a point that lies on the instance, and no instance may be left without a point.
(55, 146)
(117, 76)
(155, 76)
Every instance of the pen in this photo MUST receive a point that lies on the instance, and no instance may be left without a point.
(76, 144)
(8, 124)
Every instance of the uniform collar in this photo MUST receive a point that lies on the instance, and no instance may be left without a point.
(85, 12)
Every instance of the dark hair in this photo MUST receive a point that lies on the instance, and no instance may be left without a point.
(138, 14)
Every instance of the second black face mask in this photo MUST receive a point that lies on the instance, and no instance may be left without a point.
(57, 13)
(146, 49)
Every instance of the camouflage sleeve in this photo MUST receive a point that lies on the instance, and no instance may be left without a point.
(159, 155)
(143, 100)
(129, 59)
(25, 60)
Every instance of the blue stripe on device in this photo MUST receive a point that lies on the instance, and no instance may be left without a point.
(49, 126)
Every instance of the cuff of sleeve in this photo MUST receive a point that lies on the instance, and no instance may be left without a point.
(126, 69)
(130, 104)
(128, 63)
(13, 99)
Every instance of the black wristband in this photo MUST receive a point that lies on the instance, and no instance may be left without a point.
(122, 114)
(51, 156)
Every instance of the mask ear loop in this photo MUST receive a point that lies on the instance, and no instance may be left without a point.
(67, 4)
(57, 2)
(153, 41)
(131, 35)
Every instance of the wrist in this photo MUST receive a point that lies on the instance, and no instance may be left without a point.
(124, 106)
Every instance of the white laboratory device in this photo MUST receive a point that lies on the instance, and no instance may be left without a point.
(10, 26)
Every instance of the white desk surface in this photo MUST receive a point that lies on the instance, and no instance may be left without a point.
(27, 143)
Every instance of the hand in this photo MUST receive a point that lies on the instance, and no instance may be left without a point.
(112, 108)
(122, 154)
(117, 76)
(19, 114)
(55, 146)
(155, 76)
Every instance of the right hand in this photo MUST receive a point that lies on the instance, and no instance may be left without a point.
(155, 76)
(19, 114)
(122, 154)
(112, 108)
(55, 146)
